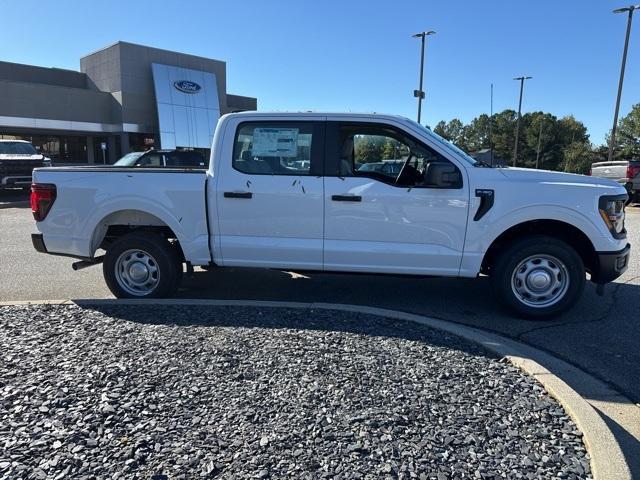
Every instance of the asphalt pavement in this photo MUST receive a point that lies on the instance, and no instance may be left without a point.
(600, 335)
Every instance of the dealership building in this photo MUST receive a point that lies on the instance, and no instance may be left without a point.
(125, 97)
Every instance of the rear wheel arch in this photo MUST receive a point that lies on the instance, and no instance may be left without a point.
(123, 222)
(569, 234)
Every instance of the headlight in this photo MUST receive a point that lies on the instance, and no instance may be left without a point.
(611, 209)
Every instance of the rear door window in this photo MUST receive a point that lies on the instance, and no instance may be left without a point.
(278, 148)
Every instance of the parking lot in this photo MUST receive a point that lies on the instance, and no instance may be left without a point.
(600, 334)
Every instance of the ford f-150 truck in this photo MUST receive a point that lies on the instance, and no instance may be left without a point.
(289, 191)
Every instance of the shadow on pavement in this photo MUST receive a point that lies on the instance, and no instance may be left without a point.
(289, 318)
(628, 444)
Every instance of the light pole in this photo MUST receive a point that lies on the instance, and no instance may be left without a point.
(491, 129)
(420, 93)
(612, 140)
(515, 149)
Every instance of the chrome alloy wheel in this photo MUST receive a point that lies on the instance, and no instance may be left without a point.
(137, 272)
(540, 281)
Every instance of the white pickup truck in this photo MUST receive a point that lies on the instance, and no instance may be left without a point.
(341, 193)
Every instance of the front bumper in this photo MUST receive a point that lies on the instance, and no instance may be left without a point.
(611, 265)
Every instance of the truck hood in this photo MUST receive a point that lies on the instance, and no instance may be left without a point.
(560, 178)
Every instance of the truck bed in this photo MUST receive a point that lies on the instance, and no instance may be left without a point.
(87, 196)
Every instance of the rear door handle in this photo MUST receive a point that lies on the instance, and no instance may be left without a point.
(238, 195)
(346, 198)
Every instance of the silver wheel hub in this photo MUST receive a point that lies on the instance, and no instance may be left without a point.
(540, 281)
(137, 272)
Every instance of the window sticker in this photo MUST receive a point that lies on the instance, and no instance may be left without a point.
(275, 142)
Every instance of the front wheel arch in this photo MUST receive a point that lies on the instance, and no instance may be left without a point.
(559, 230)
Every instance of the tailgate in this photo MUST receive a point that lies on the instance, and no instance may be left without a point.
(612, 170)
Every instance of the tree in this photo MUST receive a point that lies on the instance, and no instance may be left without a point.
(454, 131)
(477, 133)
(578, 157)
(368, 148)
(628, 134)
(571, 130)
(541, 129)
(563, 143)
(504, 134)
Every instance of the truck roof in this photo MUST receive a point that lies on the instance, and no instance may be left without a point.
(13, 141)
(316, 114)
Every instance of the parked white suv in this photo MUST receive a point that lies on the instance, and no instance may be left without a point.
(288, 191)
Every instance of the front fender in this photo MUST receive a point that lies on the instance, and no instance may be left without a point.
(481, 234)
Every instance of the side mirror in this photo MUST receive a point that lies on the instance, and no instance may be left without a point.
(442, 175)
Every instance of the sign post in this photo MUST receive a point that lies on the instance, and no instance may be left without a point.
(103, 147)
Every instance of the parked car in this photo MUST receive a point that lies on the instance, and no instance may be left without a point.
(625, 172)
(534, 233)
(386, 166)
(18, 158)
(163, 158)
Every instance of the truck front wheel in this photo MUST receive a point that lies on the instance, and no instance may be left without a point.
(142, 265)
(539, 277)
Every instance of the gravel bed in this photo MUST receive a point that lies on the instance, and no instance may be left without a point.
(168, 392)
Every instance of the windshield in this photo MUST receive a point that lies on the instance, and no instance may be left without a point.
(129, 159)
(446, 143)
(17, 148)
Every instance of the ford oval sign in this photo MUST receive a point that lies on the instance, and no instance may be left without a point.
(187, 86)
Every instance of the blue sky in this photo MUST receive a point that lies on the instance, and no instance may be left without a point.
(359, 55)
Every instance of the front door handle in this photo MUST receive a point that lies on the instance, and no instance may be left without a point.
(346, 198)
(238, 195)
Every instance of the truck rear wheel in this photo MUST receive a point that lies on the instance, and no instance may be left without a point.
(539, 277)
(142, 265)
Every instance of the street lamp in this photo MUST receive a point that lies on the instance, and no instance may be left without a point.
(515, 149)
(420, 93)
(612, 140)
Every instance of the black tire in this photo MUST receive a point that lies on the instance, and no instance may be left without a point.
(160, 258)
(557, 262)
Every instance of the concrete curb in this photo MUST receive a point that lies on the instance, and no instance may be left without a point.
(607, 459)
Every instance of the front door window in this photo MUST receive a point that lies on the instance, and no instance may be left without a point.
(388, 156)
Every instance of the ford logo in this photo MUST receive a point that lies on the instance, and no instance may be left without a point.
(187, 86)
